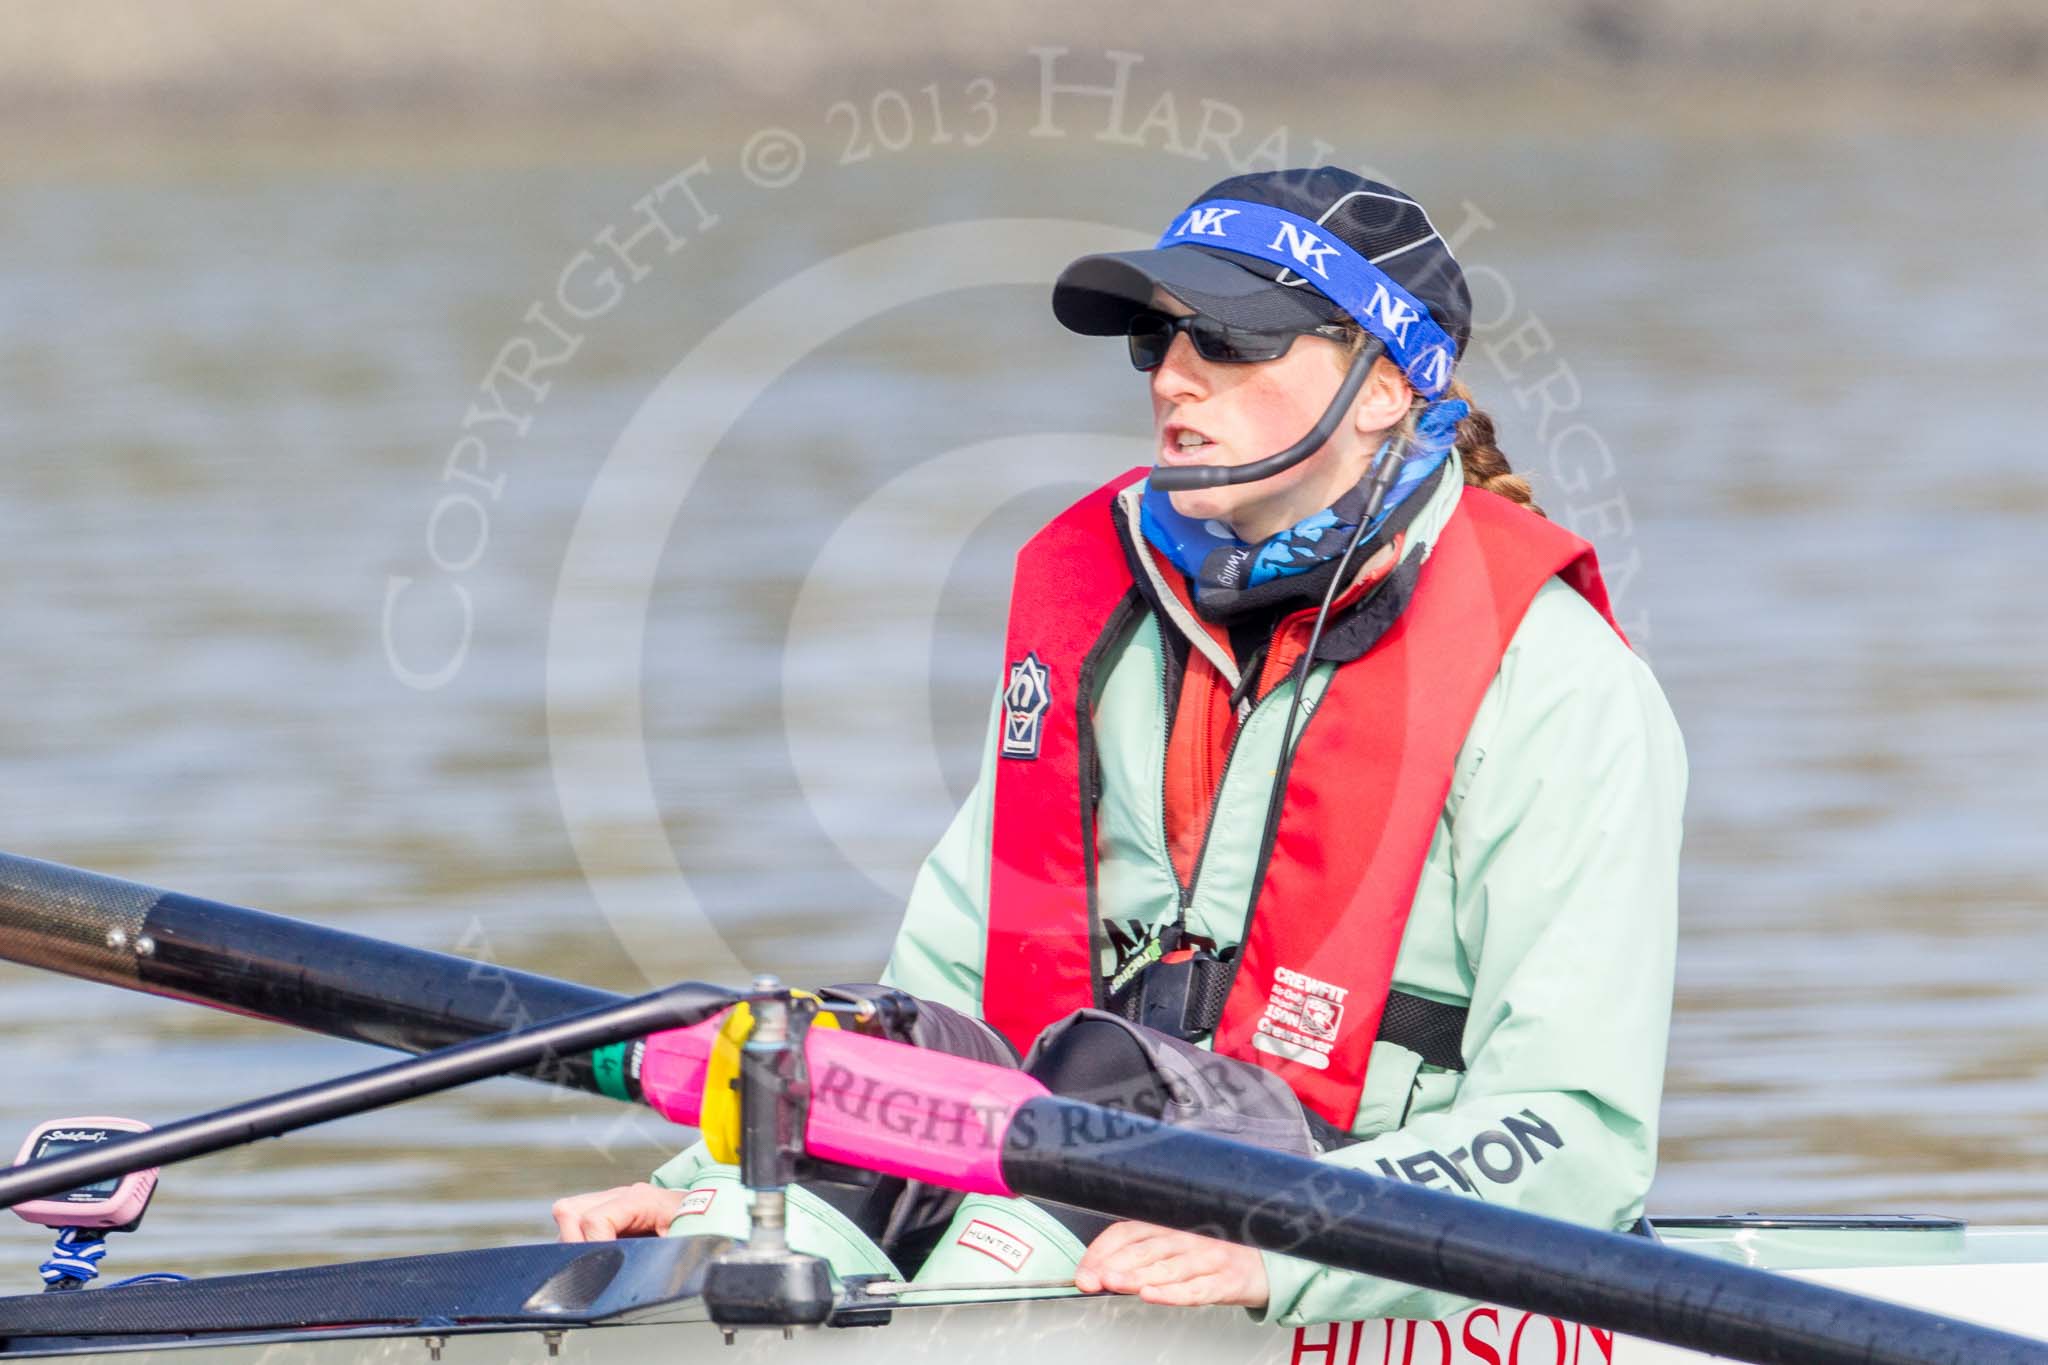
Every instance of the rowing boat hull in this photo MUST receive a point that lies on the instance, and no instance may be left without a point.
(1993, 1276)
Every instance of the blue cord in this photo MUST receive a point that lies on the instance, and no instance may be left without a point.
(76, 1256)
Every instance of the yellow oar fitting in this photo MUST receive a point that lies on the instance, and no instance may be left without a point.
(719, 1120)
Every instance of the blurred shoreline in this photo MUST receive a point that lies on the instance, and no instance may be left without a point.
(142, 137)
(97, 58)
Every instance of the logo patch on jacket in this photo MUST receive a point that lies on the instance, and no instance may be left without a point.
(1025, 700)
(1301, 1020)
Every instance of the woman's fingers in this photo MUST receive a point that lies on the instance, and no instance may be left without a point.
(1119, 1263)
(568, 1213)
(1116, 1251)
(1183, 1263)
(1168, 1266)
(1203, 1289)
(1165, 1266)
(1117, 1236)
(640, 1210)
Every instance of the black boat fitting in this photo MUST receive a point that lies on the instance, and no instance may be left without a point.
(766, 1283)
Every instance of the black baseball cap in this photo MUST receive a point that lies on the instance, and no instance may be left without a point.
(1304, 247)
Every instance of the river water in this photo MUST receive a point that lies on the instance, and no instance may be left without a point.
(664, 646)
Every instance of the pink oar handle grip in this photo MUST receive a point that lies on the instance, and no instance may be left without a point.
(875, 1104)
(672, 1070)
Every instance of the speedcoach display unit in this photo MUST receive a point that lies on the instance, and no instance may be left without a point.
(115, 1204)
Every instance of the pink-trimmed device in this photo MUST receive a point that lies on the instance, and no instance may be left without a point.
(112, 1203)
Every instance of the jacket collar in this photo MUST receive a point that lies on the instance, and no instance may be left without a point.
(1166, 587)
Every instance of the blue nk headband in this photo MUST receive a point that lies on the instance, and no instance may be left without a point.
(1334, 269)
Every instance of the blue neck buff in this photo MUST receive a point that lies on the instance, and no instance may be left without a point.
(1228, 575)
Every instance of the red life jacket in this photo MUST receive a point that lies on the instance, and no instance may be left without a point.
(1373, 764)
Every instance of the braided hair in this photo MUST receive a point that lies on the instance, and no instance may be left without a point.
(1484, 463)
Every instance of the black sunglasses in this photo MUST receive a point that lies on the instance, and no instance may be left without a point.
(1151, 336)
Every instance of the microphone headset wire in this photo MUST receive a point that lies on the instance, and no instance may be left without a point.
(1385, 472)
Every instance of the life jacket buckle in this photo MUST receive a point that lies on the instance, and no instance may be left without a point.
(1170, 995)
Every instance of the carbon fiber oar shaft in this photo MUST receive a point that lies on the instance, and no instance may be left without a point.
(127, 934)
(536, 1048)
(1125, 1166)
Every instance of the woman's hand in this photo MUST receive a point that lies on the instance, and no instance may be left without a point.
(641, 1210)
(1161, 1265)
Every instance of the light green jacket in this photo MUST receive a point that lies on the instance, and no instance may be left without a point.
(1548, 903)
